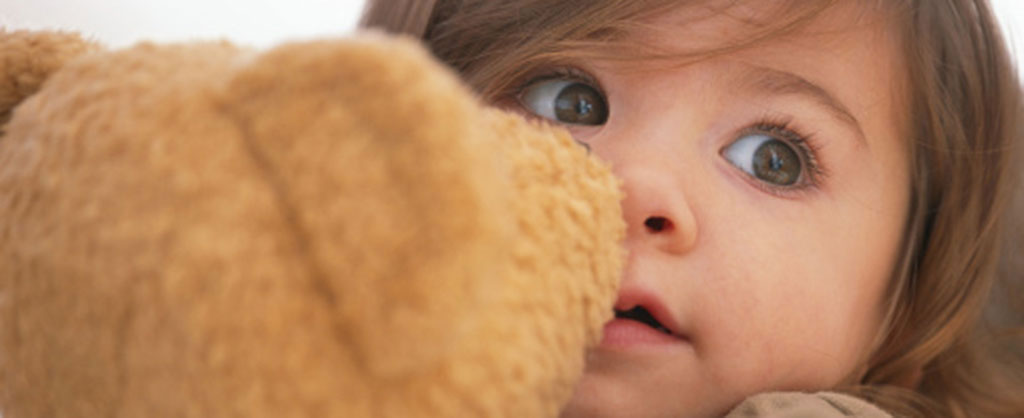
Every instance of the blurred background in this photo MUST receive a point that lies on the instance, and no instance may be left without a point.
(259, 23)
(119, 23)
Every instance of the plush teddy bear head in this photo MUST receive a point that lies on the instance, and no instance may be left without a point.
(329, 229)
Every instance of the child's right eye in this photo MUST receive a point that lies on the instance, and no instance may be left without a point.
(565, 101)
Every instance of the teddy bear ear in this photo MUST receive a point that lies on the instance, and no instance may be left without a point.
(28, 58)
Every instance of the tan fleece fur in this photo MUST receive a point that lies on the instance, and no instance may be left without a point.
(327, 229)
(27, 59)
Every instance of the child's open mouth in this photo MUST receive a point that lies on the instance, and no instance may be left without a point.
(642, 320)
(640, 314)
(637, 326)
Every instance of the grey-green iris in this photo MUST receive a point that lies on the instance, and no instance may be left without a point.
(580, 104)
(777, 163)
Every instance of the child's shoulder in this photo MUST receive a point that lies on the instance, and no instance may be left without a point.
(800, 405)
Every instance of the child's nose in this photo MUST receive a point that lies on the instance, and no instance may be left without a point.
(657, 212)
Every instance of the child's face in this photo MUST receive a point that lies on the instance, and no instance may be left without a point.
(766, 197)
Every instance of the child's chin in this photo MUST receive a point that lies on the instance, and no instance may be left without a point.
(594, 399)
(603, 396)
(650, 383)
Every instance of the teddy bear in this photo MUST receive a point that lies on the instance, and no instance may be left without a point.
(330, 228)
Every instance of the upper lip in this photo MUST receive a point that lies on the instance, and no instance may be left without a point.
(630, 298)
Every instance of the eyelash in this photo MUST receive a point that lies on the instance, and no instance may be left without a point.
(778, 127)
(805, 144)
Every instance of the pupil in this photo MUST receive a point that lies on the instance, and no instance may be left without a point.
(580, 104)
(776, 162)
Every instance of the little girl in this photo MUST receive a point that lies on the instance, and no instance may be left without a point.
(814, 190)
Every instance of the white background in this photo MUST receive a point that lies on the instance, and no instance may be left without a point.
(123, 22)
(254, 22)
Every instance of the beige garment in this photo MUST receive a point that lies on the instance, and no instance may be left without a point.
(805, 405)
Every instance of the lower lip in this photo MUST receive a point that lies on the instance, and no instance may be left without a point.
(627, 333)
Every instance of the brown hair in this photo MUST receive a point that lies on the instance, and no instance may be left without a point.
(937, 356)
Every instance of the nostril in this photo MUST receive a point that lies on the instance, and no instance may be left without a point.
(658, 224)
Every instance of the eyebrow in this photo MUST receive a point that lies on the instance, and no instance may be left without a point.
(778, 82)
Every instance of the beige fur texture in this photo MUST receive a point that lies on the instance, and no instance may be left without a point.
(332, 228)
(27, 59)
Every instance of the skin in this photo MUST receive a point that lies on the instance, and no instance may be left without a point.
(766, 288)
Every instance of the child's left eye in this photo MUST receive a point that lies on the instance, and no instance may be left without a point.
(768, 159)
(566, 101)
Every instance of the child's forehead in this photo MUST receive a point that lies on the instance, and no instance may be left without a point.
(758, 34)
(701, 26)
